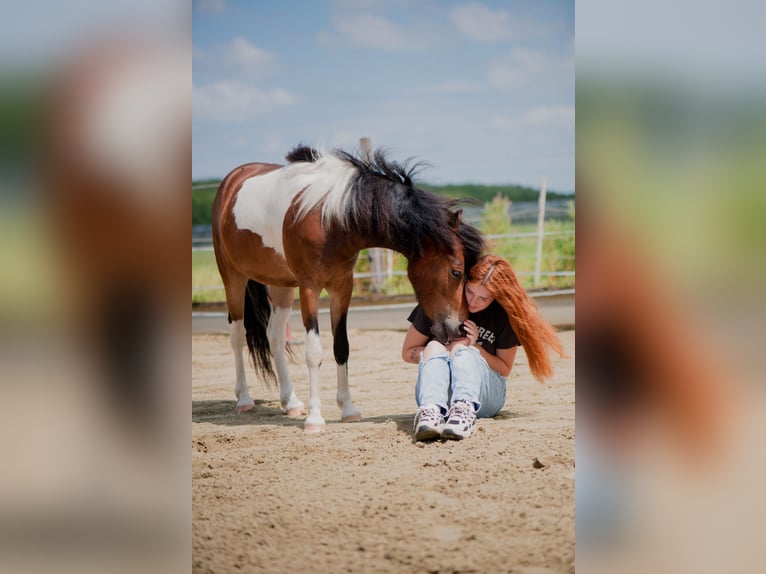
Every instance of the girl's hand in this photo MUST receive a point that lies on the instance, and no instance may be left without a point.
(471, 332)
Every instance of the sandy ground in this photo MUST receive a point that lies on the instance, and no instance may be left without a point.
(363, 497)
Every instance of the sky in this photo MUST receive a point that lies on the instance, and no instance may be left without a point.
(482, 92)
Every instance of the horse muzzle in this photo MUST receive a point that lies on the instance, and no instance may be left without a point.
(447, 329)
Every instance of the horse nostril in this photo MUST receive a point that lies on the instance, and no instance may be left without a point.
(439, 332)
(452, 325)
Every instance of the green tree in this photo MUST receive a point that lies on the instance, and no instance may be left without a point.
(496, 219)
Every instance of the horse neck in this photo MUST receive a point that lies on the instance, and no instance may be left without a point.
(372, 239)
(375, 225)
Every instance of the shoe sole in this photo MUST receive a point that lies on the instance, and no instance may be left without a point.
(452, 434)
(427, 433)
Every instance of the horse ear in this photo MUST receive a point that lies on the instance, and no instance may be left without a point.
(456, 219)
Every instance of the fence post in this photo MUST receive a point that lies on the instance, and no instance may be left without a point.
(377, 272)
(540, 232)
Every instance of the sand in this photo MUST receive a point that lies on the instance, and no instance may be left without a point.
(364, 497)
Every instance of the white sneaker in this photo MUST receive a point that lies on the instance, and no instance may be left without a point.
(429, 423)
(461, 421)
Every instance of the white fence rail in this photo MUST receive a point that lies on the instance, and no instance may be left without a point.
(204, 244)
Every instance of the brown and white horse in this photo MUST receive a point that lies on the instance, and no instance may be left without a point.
(303, 224)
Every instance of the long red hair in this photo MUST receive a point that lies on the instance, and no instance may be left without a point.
(535, 334)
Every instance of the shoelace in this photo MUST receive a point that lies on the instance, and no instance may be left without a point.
(462, 412)
(429, 416)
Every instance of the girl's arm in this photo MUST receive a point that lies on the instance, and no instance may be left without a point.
(414, 343)
(502, 362)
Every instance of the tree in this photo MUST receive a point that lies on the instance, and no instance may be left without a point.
(496, 219)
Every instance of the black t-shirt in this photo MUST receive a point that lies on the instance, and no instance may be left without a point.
(495, 332)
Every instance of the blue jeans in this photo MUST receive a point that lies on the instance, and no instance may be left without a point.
(464, 377)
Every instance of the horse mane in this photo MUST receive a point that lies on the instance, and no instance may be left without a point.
(380, 200)
(378, 164)
(384, 200)
(302, 153)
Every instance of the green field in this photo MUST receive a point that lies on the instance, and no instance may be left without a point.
(204, 276)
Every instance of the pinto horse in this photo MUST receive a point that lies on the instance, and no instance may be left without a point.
(303, 224)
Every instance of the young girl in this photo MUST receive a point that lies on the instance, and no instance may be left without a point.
(465, 378)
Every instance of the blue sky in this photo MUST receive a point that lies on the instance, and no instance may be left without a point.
(482, 91)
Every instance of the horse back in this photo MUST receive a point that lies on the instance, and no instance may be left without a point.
(231, 184)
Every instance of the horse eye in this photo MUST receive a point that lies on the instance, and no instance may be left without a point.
(456, 274)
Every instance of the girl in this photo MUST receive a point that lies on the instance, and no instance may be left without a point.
(465, 378)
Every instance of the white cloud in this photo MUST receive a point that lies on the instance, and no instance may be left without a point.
(549, 115)
(239, 58)
(368, 30)
(232, 100)
(480, 23)
(211, 6)
(249, 58)
(555, 116)
(523, 66)
(518, 68)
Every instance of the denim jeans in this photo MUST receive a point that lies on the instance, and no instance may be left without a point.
(465, 377)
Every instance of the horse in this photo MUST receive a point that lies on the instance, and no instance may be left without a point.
(277, 227)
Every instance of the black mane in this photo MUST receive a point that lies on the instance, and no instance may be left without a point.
(302, 153)
(385, 203)
(378, 164)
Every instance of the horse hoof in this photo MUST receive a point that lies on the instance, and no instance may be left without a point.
(352, 418)
(313, 429)
(295, 412)
(244, 408)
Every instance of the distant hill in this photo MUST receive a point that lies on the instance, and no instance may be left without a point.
(485, 193)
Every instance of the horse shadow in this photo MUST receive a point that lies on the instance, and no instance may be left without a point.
(269, 413)
(223, 412)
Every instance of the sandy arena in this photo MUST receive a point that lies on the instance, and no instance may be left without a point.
(363, 497)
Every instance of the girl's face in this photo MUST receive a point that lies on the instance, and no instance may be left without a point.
(477, 296)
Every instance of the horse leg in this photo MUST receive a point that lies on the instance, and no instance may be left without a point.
(339, 302)
(282, 300)
(309, 311)
(237, 340)
(234, 285)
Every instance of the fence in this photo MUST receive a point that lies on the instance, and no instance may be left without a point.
(554, 265)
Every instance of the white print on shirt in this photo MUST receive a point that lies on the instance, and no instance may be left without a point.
(486, 335)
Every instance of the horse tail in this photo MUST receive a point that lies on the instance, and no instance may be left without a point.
(256, 319)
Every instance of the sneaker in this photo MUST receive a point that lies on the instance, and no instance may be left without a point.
(429, 423)
(461, 421)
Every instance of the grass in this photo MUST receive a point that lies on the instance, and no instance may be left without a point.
(207, 286)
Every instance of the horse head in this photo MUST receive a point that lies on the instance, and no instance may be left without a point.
(438, 275)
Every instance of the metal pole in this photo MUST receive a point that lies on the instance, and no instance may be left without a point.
(540, 232)
(375, 253)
